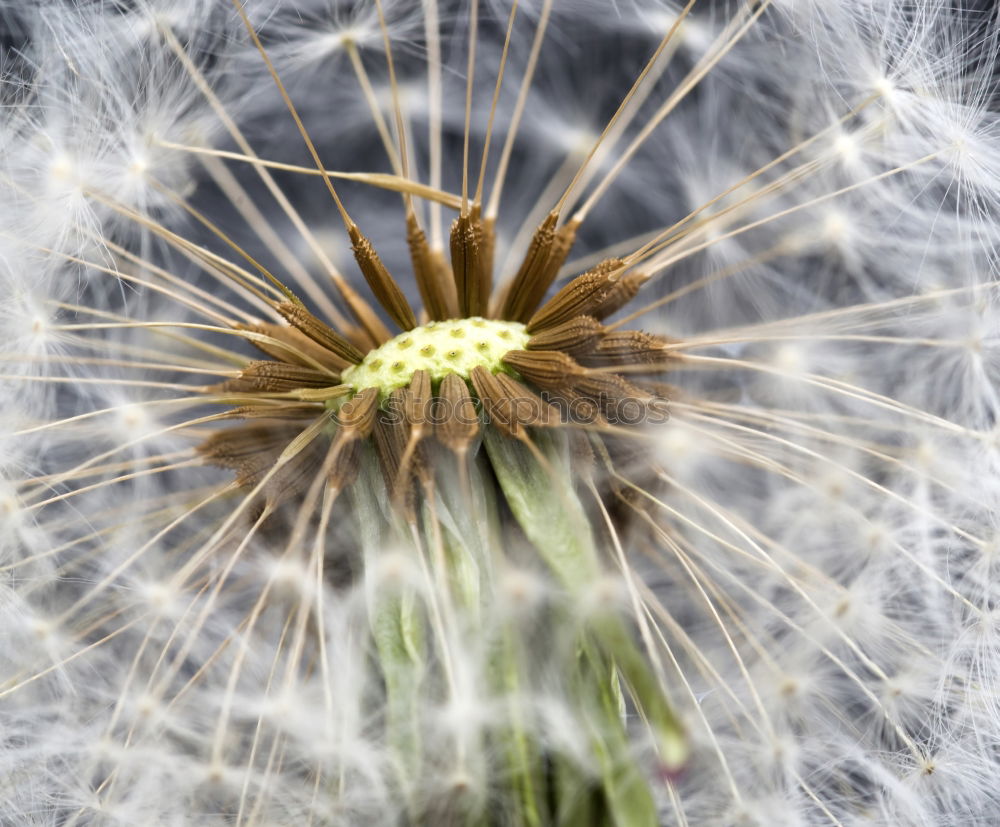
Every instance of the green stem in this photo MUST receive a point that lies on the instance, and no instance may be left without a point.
(468, 519)
(541, 496)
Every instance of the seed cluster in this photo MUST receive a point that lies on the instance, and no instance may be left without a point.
(443, 381)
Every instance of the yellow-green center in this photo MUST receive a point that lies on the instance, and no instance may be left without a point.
(455, 346)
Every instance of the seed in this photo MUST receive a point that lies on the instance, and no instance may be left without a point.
(583, 295)
(381, 283)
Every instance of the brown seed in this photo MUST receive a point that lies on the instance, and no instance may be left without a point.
(295, 347)
(628, 347)
(322, 394)
(434, 280)
(510, 406)
(620, 401)
(549, 369)
(356, 419)
(382, 284)
(251, 451)
(417, 400)
(467, 264)
(292, 411)
(578, 408)
(580, 297)
(518, 304)
(620, 295)
(576, 336)
(275, 377)
(527, 408)
(234, 446)
(493, 400)
(401, 466)
(607, 386)
(301, 319)
(357, 416)
(456, 420)
(565, 237)
(391, 432)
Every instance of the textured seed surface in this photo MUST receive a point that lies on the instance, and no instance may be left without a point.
(440, 348)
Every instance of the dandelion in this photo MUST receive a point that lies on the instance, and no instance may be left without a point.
(499, 413)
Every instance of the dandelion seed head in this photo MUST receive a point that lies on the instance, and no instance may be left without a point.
(237, 585)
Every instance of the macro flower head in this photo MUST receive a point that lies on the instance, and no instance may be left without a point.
(536, 412)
